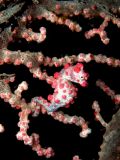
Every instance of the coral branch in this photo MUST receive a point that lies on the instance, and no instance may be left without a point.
(8, 13)
(98, 116)
(115, 97)
(32, 140)
(78, 121)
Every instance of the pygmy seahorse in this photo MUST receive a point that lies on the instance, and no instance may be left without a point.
(64, 90)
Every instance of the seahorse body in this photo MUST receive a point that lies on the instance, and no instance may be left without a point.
(65, 91)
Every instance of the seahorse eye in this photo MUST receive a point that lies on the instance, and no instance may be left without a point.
(82, 77)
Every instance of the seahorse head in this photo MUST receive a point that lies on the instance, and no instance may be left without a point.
(79, 75)
(76, 74)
